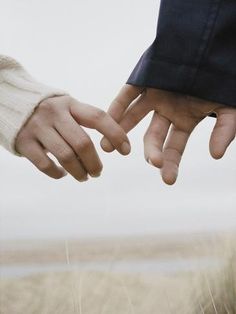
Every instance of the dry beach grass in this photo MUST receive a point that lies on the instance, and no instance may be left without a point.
(216, 292)
(93, 293)
(102, 292)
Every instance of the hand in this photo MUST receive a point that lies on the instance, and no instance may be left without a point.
(175, 117)
(55, 127)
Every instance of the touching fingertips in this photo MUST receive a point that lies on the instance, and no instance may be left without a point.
(106, 145)
(125, 148)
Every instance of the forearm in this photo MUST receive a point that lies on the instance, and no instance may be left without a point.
(19, 96)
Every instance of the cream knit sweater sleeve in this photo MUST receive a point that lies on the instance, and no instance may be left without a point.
(19, 96)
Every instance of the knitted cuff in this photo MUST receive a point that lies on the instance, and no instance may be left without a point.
(19, 96)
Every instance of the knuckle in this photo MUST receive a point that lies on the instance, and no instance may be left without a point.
(35, 123)
(23, 143)
(22, 137)
(98, 114)
(84, 144)
(48, 105)
(133, 116)
(65, 155)
(54, 104)
(67, 99)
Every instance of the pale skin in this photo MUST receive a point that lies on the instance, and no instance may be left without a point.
(56, 127)
(174, 119)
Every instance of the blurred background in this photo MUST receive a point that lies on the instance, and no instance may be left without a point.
(125, 242)
(89, 48)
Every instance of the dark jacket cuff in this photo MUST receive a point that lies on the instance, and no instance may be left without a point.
(162, 74)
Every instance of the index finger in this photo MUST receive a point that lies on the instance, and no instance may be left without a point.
(95, 118)
(125, 97)
(119, 105)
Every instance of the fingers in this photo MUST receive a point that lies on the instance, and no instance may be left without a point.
(56, 145)
(125, 97)
(154, 140)
(37, 155)
(55, 126)
(168, 159)
(223, 133)
(81, 144)
(95, 118)
(132, 116)
(172, 154)
(135, 113)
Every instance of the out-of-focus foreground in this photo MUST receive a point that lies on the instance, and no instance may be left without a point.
(184, 274)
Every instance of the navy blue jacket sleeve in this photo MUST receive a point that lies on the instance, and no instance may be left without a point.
(194, 51)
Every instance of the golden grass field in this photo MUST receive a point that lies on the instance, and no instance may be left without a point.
(204, 290)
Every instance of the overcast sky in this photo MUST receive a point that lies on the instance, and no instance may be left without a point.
(89, 48)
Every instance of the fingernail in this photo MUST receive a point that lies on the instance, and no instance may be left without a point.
(106, 145)
(125, 148)
(95, 175)
(84, 179)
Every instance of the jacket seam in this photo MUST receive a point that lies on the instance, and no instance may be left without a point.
(210, 24)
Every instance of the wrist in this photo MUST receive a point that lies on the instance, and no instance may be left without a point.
(20, 94)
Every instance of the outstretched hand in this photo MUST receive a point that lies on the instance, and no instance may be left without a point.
(175, 117)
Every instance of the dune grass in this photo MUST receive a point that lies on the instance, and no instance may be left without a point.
(209, 291)
(216, 293)
(93, 293)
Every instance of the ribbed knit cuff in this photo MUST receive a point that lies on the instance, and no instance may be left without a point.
(19, 96)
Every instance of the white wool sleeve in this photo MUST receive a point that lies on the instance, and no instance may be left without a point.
(19, 96)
